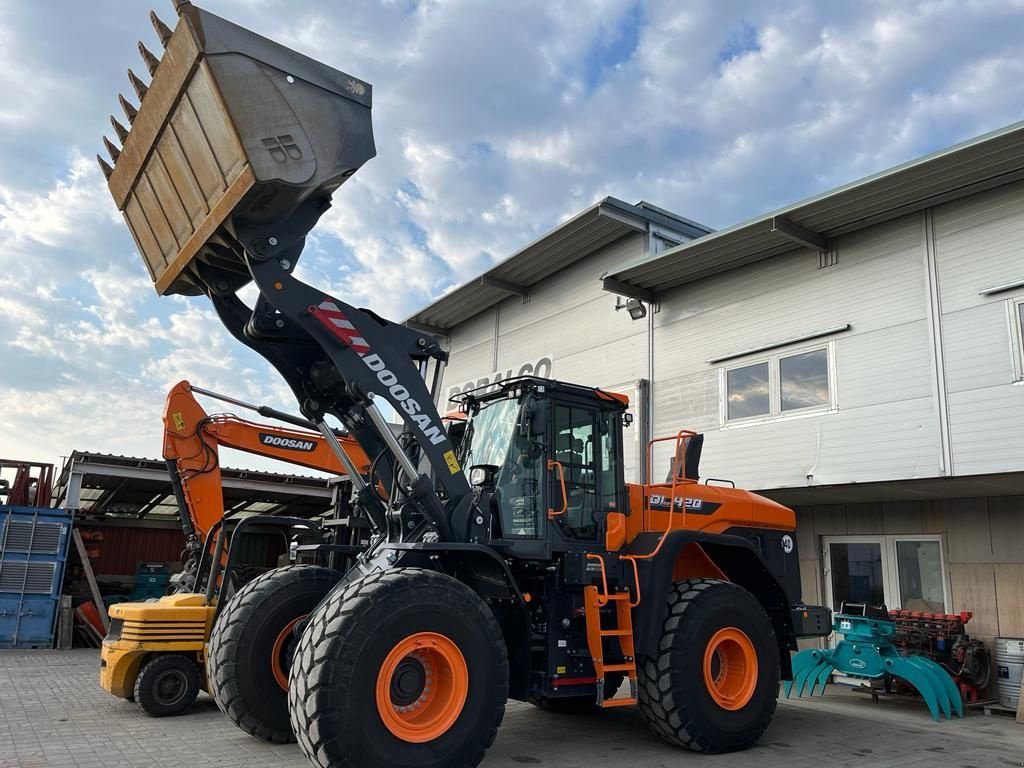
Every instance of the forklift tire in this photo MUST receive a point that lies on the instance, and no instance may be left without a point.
(167, 685)
(580, 705)
(252, 646)
(405, 667)
(713, 684)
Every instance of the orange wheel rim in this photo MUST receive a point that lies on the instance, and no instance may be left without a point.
(277, 660)
(422, 687)
(730, 668)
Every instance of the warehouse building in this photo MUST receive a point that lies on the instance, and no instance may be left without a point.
(858, 356)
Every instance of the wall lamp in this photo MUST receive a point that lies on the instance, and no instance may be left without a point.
(635, 307)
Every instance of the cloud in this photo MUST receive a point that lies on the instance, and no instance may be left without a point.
(493, 123)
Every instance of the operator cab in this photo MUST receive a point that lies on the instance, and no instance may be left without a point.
(545, 459)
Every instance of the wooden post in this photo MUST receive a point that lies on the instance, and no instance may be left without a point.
(91, 578)
(65, 624)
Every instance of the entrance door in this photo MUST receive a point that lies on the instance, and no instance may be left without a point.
(905, 572)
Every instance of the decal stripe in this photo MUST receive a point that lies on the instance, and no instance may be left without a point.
(338, 323)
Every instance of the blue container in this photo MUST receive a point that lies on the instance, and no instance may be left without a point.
(33, 550)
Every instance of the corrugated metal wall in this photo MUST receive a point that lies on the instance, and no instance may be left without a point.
(124, 546)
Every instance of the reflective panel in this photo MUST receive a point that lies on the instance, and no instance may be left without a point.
(747, 390)
(804, 380)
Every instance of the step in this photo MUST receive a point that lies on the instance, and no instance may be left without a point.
(627, 667)
(617, 596)
(616, 632)
(609, 703)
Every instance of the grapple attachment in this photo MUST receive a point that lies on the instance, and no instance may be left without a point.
(866, 652)
(233, 129)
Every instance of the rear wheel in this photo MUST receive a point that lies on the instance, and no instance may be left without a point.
(167, 685)
(406, 667)
(253, 643)
(713, 685)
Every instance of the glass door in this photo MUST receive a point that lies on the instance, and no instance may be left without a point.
(905, 572)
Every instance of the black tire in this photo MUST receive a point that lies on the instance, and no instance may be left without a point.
(167, 685)
(674, 698)
(332, 689)
(580, 705)
(241, 655)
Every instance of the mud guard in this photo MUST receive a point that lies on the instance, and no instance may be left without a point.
(736, 557)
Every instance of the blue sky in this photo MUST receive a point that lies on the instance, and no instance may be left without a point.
(493, 122)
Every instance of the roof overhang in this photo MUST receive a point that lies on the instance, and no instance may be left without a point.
(599, 225)
(973, 166)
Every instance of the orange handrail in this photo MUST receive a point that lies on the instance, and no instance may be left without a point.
(565, 496)
(602, 599)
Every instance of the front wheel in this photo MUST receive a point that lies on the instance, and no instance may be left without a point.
(713, 684)
(167, 685)
(406, 667)
(252, 645)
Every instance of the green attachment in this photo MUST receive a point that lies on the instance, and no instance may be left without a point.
(867, 653)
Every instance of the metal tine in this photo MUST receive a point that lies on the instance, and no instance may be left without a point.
(932, 672)
(809, 675)
(918, 680)
(151, 61)
(129, 109)
(823, 679)
(139, 86)
(112, 149)
(105, 167)
(120, 130)
(162, 30)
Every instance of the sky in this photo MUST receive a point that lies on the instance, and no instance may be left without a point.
(493, 123)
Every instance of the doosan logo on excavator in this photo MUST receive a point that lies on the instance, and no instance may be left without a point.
(407, 402)
(288, 443)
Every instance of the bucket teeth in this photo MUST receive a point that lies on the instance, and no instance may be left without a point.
(105, 167)
(139, 86)
(112, 149)
(151, 61)
(120, 130)
(129, 109)
(162, 30)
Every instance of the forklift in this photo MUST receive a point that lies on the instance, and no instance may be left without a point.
(519, 564)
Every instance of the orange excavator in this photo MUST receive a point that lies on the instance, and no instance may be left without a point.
(155, 651)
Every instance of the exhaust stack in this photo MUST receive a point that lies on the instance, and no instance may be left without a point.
(232, 129)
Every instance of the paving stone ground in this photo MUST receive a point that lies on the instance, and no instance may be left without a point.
(53, 713)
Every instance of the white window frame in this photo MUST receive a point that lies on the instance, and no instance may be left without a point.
(890, 567)
(775, 412)
(1015, 325)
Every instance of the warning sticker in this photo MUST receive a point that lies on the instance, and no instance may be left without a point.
(179, 422)
(453, 463)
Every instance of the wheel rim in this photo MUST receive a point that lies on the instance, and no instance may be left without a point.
(422, 687)
(730, 668)
(283, 651)
(170, 687)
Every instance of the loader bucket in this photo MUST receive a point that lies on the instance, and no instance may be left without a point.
(233, 129)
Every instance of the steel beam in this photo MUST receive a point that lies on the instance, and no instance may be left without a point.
(612, 285)
(504, 285)
(799, 235)
(434, 330)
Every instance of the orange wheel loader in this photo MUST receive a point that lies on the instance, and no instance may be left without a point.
(519, 564)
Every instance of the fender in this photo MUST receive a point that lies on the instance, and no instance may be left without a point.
(737, 558)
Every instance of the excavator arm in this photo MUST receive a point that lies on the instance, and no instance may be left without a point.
(193, 437)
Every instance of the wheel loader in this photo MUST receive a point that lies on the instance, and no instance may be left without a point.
(518, 564)
(155, 651)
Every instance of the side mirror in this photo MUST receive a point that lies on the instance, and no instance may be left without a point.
(535, 418)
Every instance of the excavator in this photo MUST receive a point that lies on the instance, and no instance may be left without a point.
(517, 564)
(155, 652)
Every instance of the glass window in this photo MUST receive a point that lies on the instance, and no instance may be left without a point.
(574, 450)
(747, 391)
(920, 576)
(856, 574)
(1020, 312)
(803, 380)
